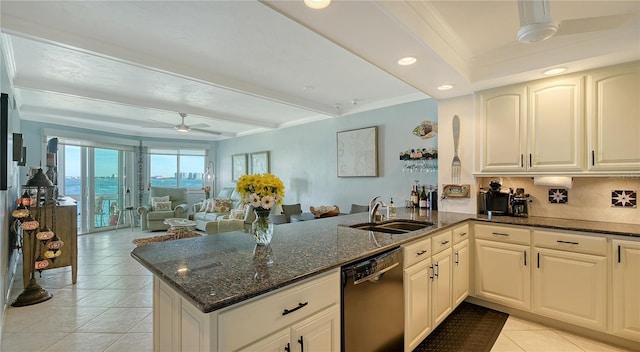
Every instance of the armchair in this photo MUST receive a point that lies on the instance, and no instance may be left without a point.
(152, 219)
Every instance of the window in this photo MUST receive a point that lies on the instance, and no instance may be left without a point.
(177, 167)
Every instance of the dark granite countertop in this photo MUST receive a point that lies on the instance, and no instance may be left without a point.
(216, 271)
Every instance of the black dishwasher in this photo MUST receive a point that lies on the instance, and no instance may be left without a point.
(372, 304)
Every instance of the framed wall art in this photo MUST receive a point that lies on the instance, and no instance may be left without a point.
(358, 152)
(259, 162)
(238, 166)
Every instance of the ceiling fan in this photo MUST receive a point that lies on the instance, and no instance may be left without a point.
(536, 24)
(184, 128)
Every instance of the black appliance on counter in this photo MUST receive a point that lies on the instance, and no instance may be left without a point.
(503, 203)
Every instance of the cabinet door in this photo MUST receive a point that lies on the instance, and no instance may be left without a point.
(502, 113)
(319, 332)
(166, 317)
(555, 125)
(626, 286)
(417, 303)
(614, 119)
(441, 300)
(503, 273)
(460, 272)
(276, 342)
(571, 287)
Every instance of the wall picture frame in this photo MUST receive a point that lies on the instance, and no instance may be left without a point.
(358, 152)
(259, 162)
(238, 166)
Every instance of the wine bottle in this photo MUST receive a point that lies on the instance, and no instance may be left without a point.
(423, 198)
(414, 196)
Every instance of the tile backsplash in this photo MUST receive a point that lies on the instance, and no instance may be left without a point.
(590, 198)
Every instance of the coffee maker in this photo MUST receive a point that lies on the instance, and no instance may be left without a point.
(519, 203)
(494, 200)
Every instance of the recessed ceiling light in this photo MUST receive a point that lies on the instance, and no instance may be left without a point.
(317, 4)
(407, 60)
(445, 87)
(554, 71)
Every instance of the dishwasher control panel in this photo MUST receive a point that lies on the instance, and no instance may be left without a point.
(376, 265)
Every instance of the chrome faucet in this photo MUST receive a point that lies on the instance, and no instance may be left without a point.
(374, 204)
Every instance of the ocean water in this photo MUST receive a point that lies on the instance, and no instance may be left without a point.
(108, 185)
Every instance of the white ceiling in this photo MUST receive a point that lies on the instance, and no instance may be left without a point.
(245, 67)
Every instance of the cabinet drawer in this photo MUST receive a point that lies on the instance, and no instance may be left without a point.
(440, 242)
(416, 251)
(569, 242)
(502, 233)
(460, 233)
(275, 311)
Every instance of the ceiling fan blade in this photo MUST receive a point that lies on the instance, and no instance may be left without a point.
(593, 24)
(156, 124)
(199, 125)
(206, 131)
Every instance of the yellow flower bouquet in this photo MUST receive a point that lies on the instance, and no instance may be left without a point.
(261, 190)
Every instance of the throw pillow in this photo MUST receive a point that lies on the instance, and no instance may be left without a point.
(154, 200)
(222, 205)
(160, 206)
(204, 205)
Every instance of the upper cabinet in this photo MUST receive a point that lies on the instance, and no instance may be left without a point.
(614, 118)
(555, 122)
(502, 121)
(578, 124)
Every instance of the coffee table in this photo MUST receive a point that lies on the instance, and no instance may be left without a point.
(180, 226)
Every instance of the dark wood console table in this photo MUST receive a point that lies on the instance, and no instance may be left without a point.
(66, 228)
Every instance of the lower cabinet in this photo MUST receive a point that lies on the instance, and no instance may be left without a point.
(417, 302)
(461, 259)
(300, 317)
(441, 300)
(626, 286)
(503, 273)
(570, 278)
(417, 278)
(316, 333)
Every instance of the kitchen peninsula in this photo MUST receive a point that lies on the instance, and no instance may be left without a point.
(203, 285)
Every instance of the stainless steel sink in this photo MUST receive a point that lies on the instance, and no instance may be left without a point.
(394, 226)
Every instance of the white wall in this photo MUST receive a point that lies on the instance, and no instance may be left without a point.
(304, 157)
(464, 107)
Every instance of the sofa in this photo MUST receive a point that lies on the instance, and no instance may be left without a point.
(164, 203)
(209, 210)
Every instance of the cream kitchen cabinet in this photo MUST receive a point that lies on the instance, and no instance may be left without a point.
(303, 314)
(502, 128)
(537, 127)
(614, 119)
(461, 262)
(417, 278)
(626, 286)
(316, 333)
(502, 265)
(570, 278)
(441, 298)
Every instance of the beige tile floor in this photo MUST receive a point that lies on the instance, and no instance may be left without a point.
(109, 309)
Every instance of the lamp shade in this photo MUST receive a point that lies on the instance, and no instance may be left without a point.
(39, 180)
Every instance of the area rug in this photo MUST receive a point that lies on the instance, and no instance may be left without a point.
(163, 238)
(469, 328)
